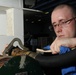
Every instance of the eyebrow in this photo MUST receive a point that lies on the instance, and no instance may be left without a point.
(53, 23)
(59, 21)
(71, 19)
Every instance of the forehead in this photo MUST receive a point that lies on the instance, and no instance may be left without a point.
(61, 13)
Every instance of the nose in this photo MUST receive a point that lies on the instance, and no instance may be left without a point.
(59, 29)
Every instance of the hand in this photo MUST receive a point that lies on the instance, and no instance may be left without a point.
(58, 42)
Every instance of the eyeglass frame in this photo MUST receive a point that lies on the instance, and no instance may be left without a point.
(63, 23)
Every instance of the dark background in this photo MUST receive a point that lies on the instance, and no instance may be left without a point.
(38, 31)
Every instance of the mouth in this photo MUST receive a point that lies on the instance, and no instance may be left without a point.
(61, 35)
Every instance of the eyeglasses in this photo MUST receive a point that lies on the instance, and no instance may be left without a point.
(63, 23)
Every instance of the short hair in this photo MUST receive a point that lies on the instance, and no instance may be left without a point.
(60, 6)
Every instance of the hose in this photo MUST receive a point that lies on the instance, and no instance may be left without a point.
(63, 60)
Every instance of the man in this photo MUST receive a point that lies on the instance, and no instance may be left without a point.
(63, 19)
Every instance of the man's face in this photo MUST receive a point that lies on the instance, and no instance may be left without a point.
(62, 27)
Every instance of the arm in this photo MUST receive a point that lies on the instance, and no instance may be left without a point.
(58, 42)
